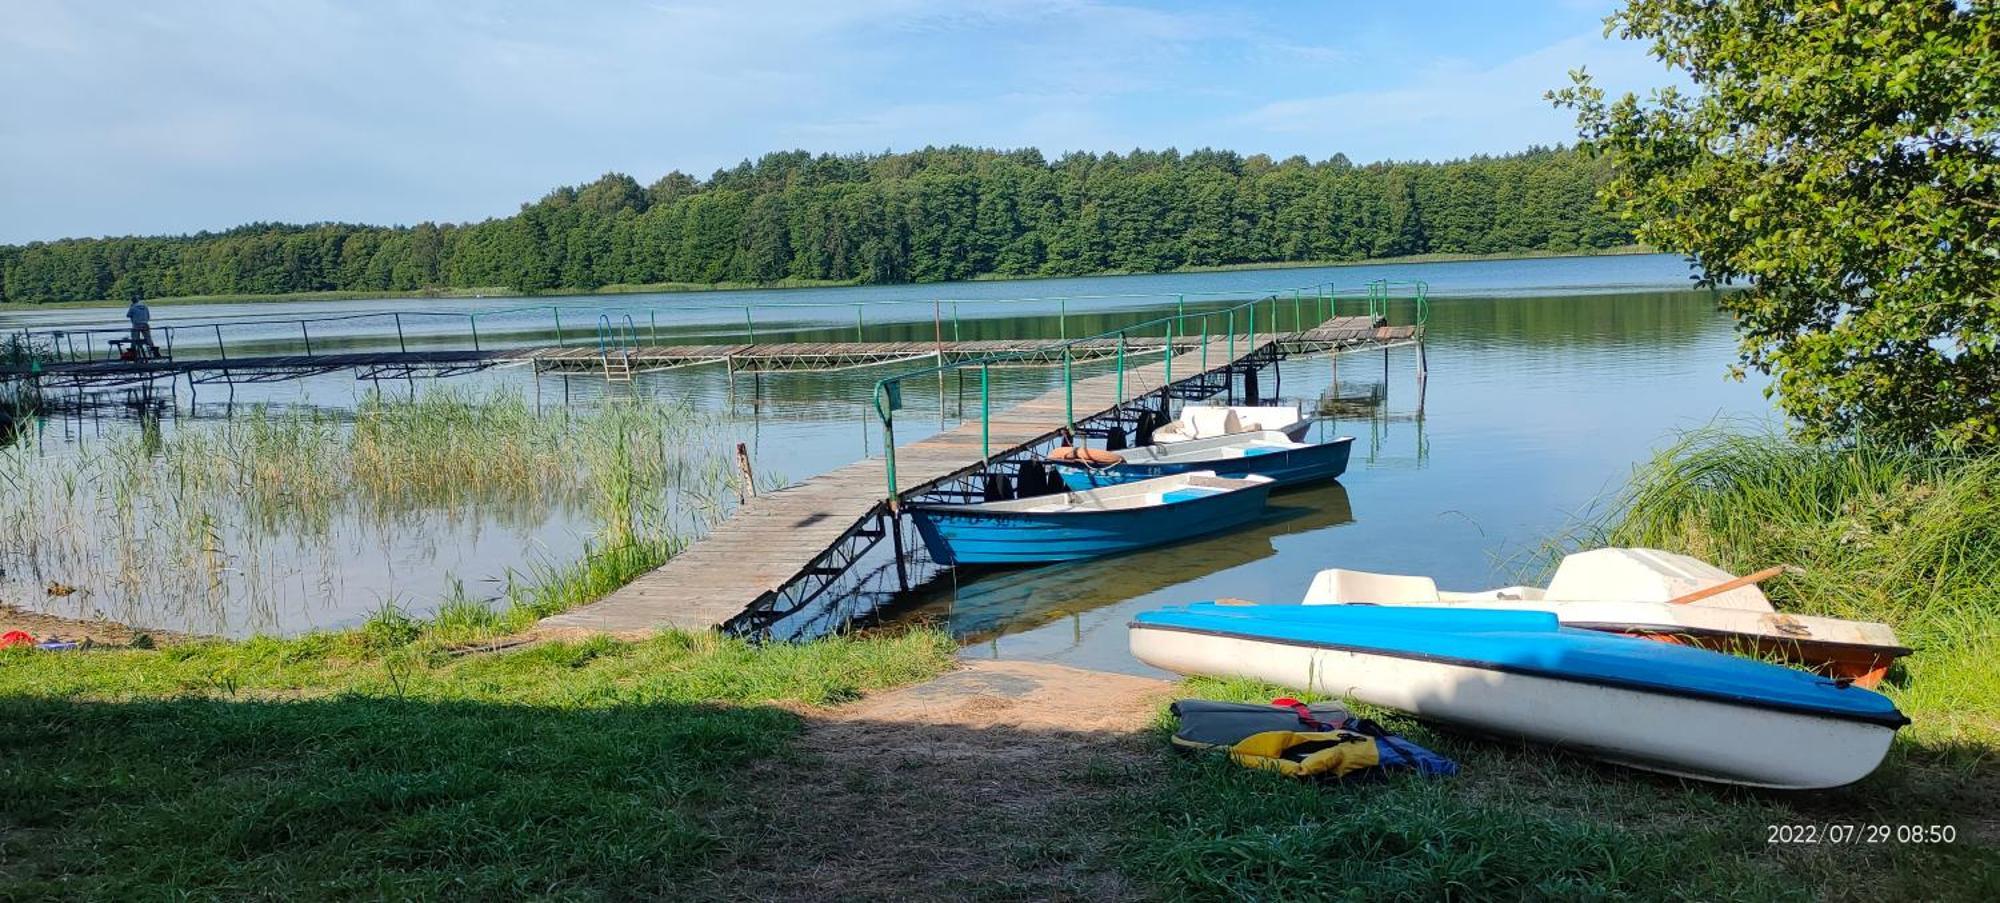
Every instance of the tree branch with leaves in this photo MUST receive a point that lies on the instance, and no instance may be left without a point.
(1840, 163)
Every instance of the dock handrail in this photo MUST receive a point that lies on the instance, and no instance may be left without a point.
(92, 343)
(887, 394)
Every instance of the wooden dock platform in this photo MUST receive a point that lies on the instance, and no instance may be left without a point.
(780, 538)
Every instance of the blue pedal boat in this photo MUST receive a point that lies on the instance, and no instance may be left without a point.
(1273, 454)
(1658, 706)
(1071, 526)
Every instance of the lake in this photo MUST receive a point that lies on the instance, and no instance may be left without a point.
(1548, 380)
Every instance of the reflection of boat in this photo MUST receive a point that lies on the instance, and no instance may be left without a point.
(1270, 454)
(976, 605)
(1067, 526)
(1208, 421)
(1628, 591)
(1655, 706)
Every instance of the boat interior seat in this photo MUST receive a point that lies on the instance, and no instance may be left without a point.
(1205, 422)
(1336, 586)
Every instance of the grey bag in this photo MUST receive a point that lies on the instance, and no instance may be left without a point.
(1206, 724)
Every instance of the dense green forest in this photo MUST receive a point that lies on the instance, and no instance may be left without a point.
(931, 215)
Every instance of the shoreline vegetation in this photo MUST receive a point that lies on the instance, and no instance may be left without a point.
(934, 215)
(414, 755)
(192, 520)
(489, 292)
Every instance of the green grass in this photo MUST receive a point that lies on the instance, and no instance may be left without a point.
(1884, 534)
(374, 764)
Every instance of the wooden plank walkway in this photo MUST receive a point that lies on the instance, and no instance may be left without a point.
(773, 538)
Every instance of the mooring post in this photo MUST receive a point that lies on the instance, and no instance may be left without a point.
(954, 323)
(653, 318)
(1204, 349)
(1423, 361)
(749, 325)
(557, 311)
(985, 416)
(1250, 345)
(307, 337)
(857, 322)
(220, 351)
(1169, 362)
(749, 490)
(474, 320)
(1062, 318)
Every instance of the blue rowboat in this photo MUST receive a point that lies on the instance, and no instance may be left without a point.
(1269, 454)
(1657, 706)
(1070, 526)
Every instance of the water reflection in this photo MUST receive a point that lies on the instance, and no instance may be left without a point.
(984, 606)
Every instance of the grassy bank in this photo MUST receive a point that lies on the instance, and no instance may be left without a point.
(663, 287)
(375, 764)
(1881, 534)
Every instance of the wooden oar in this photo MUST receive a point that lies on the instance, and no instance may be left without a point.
(1727, 585)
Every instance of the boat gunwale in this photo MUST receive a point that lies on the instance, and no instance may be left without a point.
(1132, 465)
(980, 509)
(1899, 720)
(1677, 629)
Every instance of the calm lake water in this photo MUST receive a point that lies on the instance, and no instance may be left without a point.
(1549, 379)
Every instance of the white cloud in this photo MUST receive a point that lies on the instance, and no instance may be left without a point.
(1452, 109)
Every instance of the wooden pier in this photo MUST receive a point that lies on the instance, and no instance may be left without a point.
(784, 551)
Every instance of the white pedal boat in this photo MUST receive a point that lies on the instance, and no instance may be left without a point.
(1655, 706)
(1210, 421)
(1625, 591)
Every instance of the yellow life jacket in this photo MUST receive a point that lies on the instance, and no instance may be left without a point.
(1295, 754)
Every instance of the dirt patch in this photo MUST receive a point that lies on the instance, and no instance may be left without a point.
(109, 633)
(971, 786)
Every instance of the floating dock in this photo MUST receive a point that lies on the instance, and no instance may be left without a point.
(804, 552)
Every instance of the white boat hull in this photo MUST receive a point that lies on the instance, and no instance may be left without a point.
(1689, 737)
(1856, 650)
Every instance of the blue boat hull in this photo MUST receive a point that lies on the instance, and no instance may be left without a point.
(1286, 468)
(965, 535)
(1657, 706)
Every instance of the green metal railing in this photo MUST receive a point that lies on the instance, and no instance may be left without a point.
(1305, 314)
(887, 396)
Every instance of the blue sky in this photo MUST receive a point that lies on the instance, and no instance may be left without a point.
(171, 116)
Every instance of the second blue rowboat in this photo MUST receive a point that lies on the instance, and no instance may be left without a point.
(1269, 454)
(1070, 526)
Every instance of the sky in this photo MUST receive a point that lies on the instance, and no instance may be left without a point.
(168, 116)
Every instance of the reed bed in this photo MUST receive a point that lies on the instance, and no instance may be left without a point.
(1877, 533)
(222, 522)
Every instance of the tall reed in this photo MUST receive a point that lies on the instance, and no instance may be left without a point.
(233, 517)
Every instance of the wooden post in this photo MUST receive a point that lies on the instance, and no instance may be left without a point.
(749, 489)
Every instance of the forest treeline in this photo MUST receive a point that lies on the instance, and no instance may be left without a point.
(930, 215)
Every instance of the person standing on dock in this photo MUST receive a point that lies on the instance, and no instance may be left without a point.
(142, 329)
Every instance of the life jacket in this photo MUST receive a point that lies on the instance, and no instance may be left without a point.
(1322, 740)
(1078, 454)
